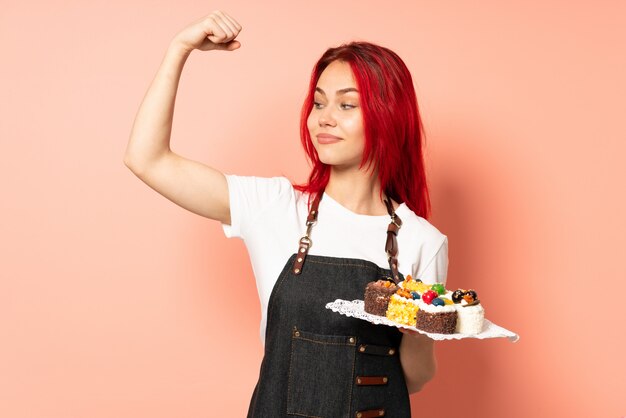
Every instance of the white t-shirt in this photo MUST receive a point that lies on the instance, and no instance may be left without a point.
(270, 216)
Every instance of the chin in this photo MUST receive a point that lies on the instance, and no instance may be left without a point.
(328, 160)
(341, 164)
(337, 156)
(333, 160)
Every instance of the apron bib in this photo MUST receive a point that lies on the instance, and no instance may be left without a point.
(318, 363)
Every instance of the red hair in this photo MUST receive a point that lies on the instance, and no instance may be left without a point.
(393, 128)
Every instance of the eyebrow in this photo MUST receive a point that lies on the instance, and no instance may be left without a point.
(340, 91)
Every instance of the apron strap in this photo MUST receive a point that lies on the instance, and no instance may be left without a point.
(305, 241)
(391, 245)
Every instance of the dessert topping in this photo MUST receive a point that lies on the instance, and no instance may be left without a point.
(470, 296)
(439, 288)
(428, 296)
(457, 295)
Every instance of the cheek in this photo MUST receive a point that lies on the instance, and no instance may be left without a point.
(355, 126)
(311, 125)
(310, 122)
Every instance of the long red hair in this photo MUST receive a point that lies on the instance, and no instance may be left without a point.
(393, 128)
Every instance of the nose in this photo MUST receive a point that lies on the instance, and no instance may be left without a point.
(326, 116)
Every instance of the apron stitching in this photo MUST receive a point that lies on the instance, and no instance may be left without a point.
(351, 384)
(288, 385)
(345, 264)
(321, 342)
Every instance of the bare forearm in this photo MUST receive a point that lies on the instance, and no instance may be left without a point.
(417, 355)
(150, 135)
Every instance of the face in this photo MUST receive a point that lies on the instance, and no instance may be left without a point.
(336, 122)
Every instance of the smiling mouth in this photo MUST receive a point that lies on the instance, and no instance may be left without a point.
(327, 139)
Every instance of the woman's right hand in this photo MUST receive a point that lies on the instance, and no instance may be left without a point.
(217, 30)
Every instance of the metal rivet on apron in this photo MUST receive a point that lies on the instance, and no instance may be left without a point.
(358, 380)
(297, 270)
(302, 250)
(297, 333)
(299, 259)
(392, 351)
(381, 412)
(351, 339)
(359, 415)
(385, 379)
(362, 349)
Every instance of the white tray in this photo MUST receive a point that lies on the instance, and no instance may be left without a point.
(355, 309)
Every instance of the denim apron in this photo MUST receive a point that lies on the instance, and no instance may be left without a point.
(318, 363)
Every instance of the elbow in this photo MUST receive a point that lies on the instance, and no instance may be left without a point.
(138, 163)
(131, 164)
(415, 387)
(126, 162)
(417, 384)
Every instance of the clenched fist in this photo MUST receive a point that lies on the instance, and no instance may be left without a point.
(217, 30)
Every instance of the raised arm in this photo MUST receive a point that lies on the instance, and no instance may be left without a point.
(190, 184)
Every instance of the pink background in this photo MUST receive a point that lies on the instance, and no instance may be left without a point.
(115, 302)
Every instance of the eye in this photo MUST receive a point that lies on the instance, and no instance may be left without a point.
(316, 105)
(348, 105)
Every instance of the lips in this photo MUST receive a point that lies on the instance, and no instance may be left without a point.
(327, 139)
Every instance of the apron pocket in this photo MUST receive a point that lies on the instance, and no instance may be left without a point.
(321, 371)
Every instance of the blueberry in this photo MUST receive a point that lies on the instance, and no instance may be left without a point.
(415, 295)
(438, 302)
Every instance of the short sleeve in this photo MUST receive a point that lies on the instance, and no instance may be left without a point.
(248, 197)
(435, 270)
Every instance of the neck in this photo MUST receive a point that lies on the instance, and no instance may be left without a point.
(356, 190)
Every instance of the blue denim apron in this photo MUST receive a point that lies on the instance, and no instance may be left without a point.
(318, 363)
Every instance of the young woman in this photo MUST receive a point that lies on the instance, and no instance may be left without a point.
(360, 217)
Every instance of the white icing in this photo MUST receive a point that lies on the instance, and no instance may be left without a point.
(470, 319)
(435, 309)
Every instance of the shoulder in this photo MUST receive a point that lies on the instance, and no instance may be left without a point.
(426, 248)
(255, 190)
(251, 198)
(419, 228)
